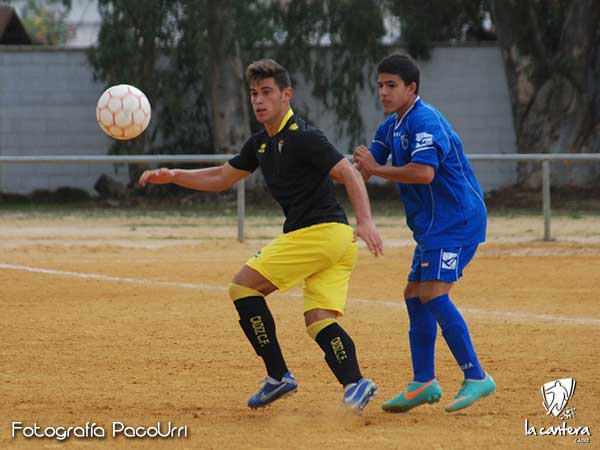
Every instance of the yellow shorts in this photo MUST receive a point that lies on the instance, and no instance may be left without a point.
(322, 255)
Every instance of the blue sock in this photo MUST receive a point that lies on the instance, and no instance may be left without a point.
(423, 330)
(456, 333)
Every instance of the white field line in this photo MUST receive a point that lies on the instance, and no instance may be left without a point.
(94, 276)
(506, 315)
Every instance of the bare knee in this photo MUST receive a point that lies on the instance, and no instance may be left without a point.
(252, 279)
(317, 320)
(411, 290)
(433, 289)
(316, 315)
(238, 291)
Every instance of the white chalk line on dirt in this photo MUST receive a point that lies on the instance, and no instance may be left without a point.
(507, 315)
(95, 276)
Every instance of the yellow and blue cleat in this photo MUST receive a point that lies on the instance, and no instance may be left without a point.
(471, 391)
(415, 394)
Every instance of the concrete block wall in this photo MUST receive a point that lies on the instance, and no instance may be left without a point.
(468, 85)
(48, 107)
(48, 98)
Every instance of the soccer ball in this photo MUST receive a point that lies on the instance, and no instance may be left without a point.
(123, 112)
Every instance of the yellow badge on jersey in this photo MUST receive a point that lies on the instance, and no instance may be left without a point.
(262, 148)
(293, 127)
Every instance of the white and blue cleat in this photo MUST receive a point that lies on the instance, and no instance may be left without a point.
(357, 395)
(272, 389)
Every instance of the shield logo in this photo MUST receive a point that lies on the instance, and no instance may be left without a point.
(404, 141)
(556, 395)
(449, 260)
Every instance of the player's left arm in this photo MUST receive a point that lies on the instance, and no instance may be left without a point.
(344, 172)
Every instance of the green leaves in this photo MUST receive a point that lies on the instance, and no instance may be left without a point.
(424, 22)
(158, 46)
(334, 44)
(162, 47)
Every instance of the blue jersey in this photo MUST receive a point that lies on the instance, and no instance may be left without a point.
(449, 212)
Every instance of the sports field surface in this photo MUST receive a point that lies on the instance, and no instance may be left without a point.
(125, 317)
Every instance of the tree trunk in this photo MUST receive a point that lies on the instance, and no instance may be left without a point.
(229, 100)
(555, 92)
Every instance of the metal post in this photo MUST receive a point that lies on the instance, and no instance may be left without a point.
(546, 198)
(241, 208)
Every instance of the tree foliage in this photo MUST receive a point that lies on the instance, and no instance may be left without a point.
(424, 22)
(162, 46)
(152, 44)
(333, 44)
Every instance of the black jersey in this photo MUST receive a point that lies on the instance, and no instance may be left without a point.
(296, 163)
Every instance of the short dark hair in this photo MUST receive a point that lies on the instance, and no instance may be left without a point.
(267, 68)
(402, 65)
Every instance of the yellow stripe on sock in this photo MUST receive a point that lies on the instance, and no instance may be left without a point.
(315, 328)
(236, 292)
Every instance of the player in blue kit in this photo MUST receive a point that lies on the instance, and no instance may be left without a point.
(446, 212)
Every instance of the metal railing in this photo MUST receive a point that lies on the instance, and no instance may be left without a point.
(544, 158)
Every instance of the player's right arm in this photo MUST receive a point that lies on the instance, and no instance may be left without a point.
(379, 148)
(426, 141)
(411, 173)
(210, 179)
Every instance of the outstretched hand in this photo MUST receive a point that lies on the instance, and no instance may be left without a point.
(157, 176)
(369, 234)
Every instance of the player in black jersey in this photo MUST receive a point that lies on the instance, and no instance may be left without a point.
(317, 245)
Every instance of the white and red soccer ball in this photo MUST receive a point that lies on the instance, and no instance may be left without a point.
(123, 112)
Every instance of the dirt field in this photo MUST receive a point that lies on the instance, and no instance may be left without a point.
(126, 319)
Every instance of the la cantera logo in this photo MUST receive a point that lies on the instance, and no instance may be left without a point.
(556, 395)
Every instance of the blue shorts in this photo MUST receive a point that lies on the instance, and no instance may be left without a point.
(443, 264)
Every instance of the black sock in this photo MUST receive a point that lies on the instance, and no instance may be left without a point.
(340, 353)
(258, 325)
